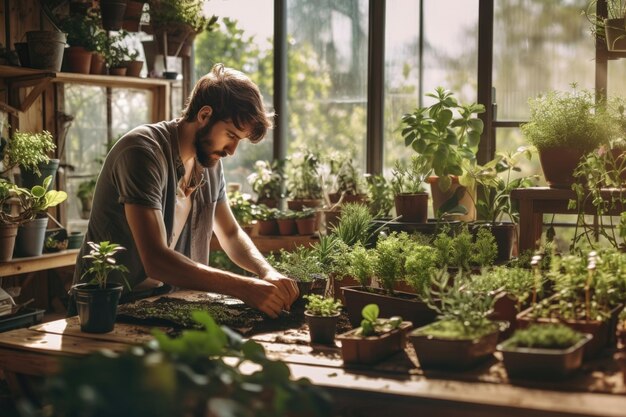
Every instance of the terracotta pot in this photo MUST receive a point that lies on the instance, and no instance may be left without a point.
(435, 353)
(267, 227)
(558, 165)
(133, 68)
(306, 226)
(298, 205)
(322, 328)
(524, 362)
(77, 59)
(119, 71)
(98, 66)
(456, 191)
(286, 227)
(8, 232)
(402, 304)
(333, 286)
(372, 349)
(412, 207)
(132, 15)
(269, 202)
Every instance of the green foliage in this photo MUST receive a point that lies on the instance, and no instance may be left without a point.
(420, 265)
(391, 253)
(263, 212)
(410, 180)
(616, 9)
(544, 336)
(266, 180)
(305, 213)
(348, 178)
(39, 199)
(379, 194)
(466, 309)
(242, 208)
(495, 182)
(189, 12)
(303, 177)
(102, 263)
(484, 248)
(371, 325)
(356, 261)
(455, 330)
(7, 190)
(28, 150)
(518, 282)
(184, 376)
(320, 306)
(569, 119)
(301, 264)
(448, 143)
(462, 251)
(355, 224)
(83, 29)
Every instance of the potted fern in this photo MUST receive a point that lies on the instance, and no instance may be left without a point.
(96, 299)
(321, 315)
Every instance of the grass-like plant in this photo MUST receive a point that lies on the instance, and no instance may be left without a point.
(355, 224)
(544, 336)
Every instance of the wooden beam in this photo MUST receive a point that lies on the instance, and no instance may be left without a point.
(34, 94)
(38, 263)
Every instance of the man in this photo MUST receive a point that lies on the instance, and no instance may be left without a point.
(161, 195)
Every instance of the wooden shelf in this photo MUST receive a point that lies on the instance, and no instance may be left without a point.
(38, 263)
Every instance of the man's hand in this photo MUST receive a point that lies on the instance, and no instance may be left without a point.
(269, 295)
(287, 286)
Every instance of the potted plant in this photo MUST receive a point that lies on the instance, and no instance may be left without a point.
(449, 144)
(375, 339)
(588, 295)
(112, 12)
(544, 351)
(8, 221)
(321, 316)
(85, 193)
(30, 152)
(379, 195)
(348, 182)
(465, 252)
(411, 199)
(463, 335)
(355, 225)
(242, 209)
(303, 180)
(610, 27)
(82, 31)
(286, 220)
(266, 220)
(302, 265)
(306, 221)
(34, 205)
(96, 300)
(266, 182)
(176, 24)
(493, 201)
(564, 126)
(351, 266)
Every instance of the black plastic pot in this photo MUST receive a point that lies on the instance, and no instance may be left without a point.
(524, 362)
(322, 328)
(97, 307)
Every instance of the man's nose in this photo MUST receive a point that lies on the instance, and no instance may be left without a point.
(232, 147)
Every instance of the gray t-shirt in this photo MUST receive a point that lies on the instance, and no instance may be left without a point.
(144, 168)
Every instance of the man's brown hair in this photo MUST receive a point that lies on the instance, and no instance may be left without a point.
(232, 96)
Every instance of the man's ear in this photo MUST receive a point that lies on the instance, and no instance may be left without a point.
(204, 114)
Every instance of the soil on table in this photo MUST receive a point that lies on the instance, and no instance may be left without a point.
(176, 313)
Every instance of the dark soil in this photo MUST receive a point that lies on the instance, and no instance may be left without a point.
(176, 313)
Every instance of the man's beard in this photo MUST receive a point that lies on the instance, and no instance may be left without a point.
(201, 142)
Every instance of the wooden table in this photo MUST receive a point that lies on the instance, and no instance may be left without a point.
(390, 388)
(534, 202)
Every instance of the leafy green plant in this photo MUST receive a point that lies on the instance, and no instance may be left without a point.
(184, 376)
(305, 213)
(8, 190)
(82, 29)
(28, 150)
(484, 248)
(544, 336)
(391, 253)
(189, 12)
(356, 261)
(518, 282)
(616, 9)
(568, 119)
(463, 251)
(39, 199)
(241, 207)
(448, 143)
(379, 195)
(348, 178)
(355, 224)
(410, 180)
(420, 265)
(462, 313)
(266, 180)
(303, 177)
(263, 212)
(321, 306)
(102, 263)
(301, 264)
(371, 325)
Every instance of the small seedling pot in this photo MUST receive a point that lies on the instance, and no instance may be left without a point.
(367, 350)
(322, 328)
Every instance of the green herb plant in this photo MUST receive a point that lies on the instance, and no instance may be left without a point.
(379, 195)
(318, 305)
(517, 282)
(37, 200)
(411, 179)
(420, 265)
(27, 150)
(303, 176)
(241, 206)
(356, 261)
(348, 179)
(188, 12)
(371, 325)
(544, 336)
(102, 263)
(266, 180)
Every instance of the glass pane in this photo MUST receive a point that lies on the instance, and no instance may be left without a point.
(538, 46)
(450, 53)
(327, 80)
(243, 41)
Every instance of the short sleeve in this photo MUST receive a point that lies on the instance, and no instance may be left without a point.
(221, 194)
(139, 176)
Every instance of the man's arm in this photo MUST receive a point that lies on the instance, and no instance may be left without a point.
(241, 250)
(167, 265)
